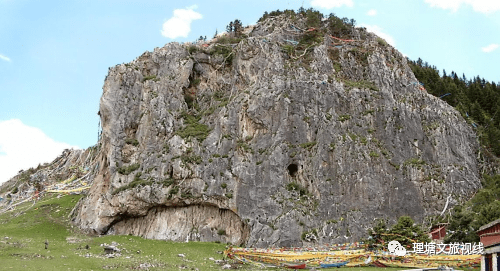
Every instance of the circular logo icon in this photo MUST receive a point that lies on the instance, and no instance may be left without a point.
(396, 248)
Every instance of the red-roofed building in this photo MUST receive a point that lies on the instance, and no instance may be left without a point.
(490, 237)
(438, 232)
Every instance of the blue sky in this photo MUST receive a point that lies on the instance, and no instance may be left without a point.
(54, 55)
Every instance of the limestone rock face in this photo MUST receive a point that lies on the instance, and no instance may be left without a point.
(250, 144)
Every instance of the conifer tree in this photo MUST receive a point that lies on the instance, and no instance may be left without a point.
(237, 27)
(230, 27)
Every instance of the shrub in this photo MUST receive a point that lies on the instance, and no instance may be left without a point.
(288, 48)
(223, 185)
(309, 235)
(293, 186)
(225, 51)
(374, 154)
(192, 49)
(361, 84)
(415, 162)
(313, 18)
(332, 146)
(136, 182)
(195, 82)
(192, 159)
(381, 41)
(126, 170)
(308, 145)
(343, 118)
(221, 232)
(173, 191)
(151, 77)
(132, 141)
(244, 146)
(193, 128)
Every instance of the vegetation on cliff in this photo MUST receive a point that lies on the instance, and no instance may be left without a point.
(479, 103)
(476, 99)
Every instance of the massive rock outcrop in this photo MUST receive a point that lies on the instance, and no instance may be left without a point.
(263, 143)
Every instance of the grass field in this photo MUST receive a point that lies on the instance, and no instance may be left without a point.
(23, 233)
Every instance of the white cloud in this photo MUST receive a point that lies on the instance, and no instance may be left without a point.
(22, 147)
(329, 4)
(180, 24)
(482, 6)
(372, 12)
(490, 48)
(4, 58)
(379, 32)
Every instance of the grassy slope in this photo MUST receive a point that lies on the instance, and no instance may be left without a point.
(48, 220)
(30, 225)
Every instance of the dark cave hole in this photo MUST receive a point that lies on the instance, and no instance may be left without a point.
(292, 169)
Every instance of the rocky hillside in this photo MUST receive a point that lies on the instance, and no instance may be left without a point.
(283, 136)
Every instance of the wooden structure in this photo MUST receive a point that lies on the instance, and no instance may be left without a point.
(438, 232)
(490, 237)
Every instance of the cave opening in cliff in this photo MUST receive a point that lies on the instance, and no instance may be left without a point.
(292, 169)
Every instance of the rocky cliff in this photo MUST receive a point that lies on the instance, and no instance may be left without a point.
(285, 137)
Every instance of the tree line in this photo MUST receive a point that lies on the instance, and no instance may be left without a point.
(476, 99)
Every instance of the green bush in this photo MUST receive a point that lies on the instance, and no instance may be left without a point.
(195, 82)
(293, 186)
(244, 146)
(332, 146)
(308, 145)
(132, 141)
(381, 41)
(361, 84)
(151, 77)
(225, 51)
(193, 128)
(192, 159)
(310, 232)
(136, 182)
(414, 162)
(126, 170)
(173, 191)
(343, 118)
(192, 49)
(288, 48)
